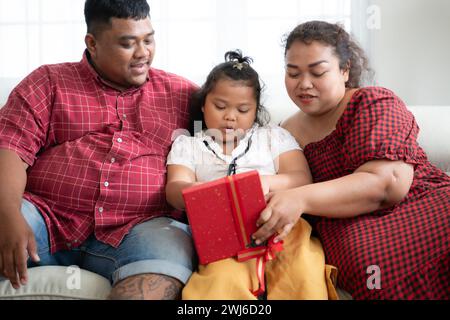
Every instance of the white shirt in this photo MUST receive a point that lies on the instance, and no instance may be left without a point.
(267, 144)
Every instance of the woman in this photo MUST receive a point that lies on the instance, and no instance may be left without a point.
(380, 208)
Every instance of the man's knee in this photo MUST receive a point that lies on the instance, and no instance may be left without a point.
(148, 286)
(159, 246)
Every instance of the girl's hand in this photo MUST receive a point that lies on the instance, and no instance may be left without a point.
(282, 212)
(265, 183)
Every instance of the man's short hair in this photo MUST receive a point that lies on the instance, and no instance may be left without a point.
(98, 13)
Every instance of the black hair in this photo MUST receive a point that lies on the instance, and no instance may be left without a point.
(98, 13)
(351, 55)
(236, 68)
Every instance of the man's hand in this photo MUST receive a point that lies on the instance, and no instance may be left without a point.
(280, 215)
(17, 242)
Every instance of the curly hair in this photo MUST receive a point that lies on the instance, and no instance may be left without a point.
(351, 55)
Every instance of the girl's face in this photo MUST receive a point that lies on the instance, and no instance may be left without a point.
(230, 108)
(313, 79)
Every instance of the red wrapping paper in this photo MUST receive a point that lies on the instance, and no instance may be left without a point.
(223, 214)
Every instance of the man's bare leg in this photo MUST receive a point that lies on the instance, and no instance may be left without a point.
(147, 287)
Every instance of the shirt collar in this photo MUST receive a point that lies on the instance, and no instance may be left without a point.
(218, 149)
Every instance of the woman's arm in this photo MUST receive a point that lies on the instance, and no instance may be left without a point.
(178, 178)
(375, 185)
(293, 171)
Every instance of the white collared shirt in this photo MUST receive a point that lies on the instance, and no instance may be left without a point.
(267, 144)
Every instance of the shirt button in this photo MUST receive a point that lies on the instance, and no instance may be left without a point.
(124, 116)
(68, 244)
(106, 183)
(113, 160)
(100, 209)
(119, 140)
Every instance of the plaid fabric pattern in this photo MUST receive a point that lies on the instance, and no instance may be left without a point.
(96, 155)
(409, 243)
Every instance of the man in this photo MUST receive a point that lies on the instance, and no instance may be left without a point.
(82, 162)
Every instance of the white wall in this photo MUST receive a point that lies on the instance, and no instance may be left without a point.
(411, 51)
(192, 36)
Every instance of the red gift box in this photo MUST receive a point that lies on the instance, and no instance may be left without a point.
(223, 214)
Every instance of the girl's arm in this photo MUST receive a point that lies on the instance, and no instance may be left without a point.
(293, 171)
(179, 177)
(375, 185)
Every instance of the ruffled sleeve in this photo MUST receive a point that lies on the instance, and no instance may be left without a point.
(377, 125)
(281, 141)
(182, 152)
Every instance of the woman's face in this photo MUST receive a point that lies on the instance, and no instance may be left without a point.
(313, 79)
(230, 108)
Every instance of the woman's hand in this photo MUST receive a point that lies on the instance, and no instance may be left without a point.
(282, 212)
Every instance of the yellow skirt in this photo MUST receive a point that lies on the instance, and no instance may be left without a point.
(298, 273)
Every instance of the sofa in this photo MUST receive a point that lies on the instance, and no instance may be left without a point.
(56, 282)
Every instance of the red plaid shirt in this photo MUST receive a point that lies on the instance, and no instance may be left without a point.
(96, 155)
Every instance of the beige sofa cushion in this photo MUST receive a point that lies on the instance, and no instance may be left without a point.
(58, 283)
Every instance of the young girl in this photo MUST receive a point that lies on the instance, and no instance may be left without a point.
(238, 139)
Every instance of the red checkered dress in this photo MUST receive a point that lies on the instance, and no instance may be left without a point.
(407, 245)
(97, 156)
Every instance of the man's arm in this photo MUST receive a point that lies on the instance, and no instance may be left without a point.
(16, 237)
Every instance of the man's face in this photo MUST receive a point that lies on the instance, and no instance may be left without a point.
(122, 53)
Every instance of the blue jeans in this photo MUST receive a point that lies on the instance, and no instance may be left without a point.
(160, 245)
